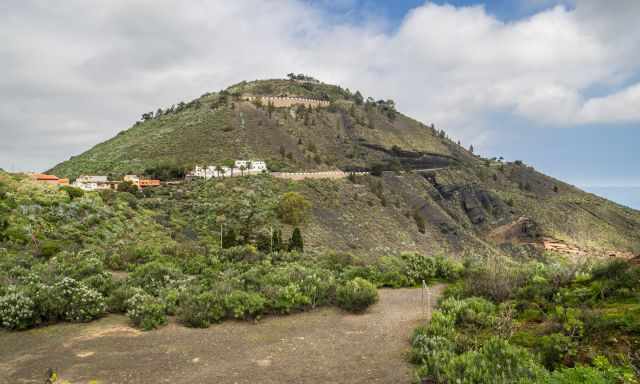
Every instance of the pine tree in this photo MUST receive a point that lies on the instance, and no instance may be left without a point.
(296, 243)
(276, 240)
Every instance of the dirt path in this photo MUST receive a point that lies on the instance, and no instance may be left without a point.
(322, 346)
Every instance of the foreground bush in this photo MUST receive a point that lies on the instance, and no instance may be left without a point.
(81, 302)
(17, 310)
(244, 305)
(200, 309)
(356, 295)
(146, 311)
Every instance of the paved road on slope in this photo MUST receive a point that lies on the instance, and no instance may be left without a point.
(321, 346)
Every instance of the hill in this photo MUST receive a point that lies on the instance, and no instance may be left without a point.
(350, 133)
(436, 197)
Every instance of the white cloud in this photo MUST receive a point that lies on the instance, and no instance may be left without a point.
(623, 106)
(77, 74)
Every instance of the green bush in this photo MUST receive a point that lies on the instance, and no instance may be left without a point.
(200, 309)
(146, 311)
(471, 311)
(155, 276)
(17, 310)
(49, 248)
(293, 208)
(356, 295)
(120, 295)
(392, 272)
(496, 361)
(555, 349)
(285, 299)
(602, 372)
(244, 305)
(73, 192)
(81, 303)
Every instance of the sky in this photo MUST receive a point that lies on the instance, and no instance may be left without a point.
(553, 83)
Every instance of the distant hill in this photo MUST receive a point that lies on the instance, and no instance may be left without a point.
(435, 197)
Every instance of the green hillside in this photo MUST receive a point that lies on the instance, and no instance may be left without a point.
(221, 126)
(436, 197)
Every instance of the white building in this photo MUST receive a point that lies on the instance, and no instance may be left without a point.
(93, 183)
(240, 167)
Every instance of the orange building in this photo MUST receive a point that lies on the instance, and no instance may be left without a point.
(49, 179)
(148, 183)
(142, 183)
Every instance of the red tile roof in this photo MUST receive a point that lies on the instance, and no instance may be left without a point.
(42, 176)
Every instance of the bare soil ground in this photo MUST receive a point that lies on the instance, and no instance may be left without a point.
(321, 346)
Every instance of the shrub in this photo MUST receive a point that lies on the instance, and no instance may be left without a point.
(49, 248)
(171, 297)
(200, 309)
(602, 372)
(155, 276)
(293, 208)
(244, 305)
(146, 311)
(473, 310)
(81, 303)
(419, 267)
(17, 310)
(73, 192)
(284, 299)
(496, 361)
(117, 300)
(448, 269)
(392, 272)
(554, 349)
(356, 295)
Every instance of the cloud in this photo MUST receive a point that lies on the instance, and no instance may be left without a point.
(623, 106)
(78, 74)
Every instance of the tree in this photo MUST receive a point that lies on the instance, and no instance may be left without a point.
(220, 171)
(242, 169)
(377, 169)
(419, 221)
(73, 192)
(358, 98)
(471, 148)
(270, 108)
(293, 208)
(296, 243)
(276, 240)
(229, 238)
(230, 164)
(282, 151)
(127, 186)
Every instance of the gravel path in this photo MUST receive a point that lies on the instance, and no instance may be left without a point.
(321, 346)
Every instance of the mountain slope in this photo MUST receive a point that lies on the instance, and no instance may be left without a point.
(221, 126)
(439, 198)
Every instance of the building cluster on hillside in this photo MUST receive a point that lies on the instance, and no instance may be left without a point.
(240, 168)
(95, 183)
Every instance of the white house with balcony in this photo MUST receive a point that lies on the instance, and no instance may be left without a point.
(240, 167)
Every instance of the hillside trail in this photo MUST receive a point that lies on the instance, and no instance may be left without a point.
(321, 346)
